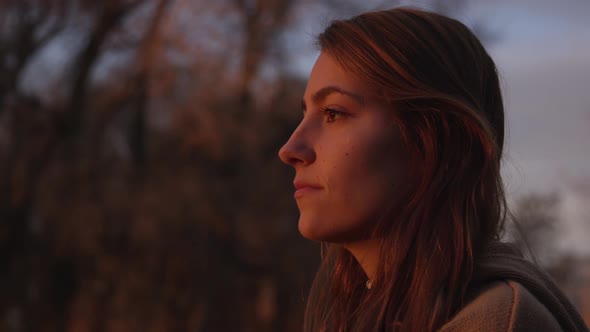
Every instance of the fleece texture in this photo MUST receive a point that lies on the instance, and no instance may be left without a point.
(511, 294)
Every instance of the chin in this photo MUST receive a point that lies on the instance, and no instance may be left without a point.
(308, 231)
(319, 231)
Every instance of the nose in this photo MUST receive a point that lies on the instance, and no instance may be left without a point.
(297, 150)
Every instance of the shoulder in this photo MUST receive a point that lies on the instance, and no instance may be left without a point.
(503, 306)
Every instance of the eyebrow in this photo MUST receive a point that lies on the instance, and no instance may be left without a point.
(324, 92)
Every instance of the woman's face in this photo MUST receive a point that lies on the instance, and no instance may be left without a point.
(347, 157)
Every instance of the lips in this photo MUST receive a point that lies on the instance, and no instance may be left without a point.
(305, 188)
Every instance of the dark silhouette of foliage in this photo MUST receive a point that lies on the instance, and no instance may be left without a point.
(113, 221)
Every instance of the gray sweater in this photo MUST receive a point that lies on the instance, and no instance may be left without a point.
(511, 294)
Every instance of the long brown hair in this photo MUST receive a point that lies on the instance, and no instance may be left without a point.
(443, 87)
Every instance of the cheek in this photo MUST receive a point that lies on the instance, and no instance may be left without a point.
(362, 181)
(367, 186)
(378, 174)
(381, 161)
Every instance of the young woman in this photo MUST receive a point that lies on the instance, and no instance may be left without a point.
(397, 162)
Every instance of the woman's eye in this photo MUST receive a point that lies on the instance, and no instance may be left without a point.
(332, 115)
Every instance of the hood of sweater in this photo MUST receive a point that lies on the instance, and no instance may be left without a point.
(503, 261)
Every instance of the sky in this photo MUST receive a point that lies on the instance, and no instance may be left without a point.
(542, 51)
(543, 57)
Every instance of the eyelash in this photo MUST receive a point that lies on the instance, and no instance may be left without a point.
(329, 113)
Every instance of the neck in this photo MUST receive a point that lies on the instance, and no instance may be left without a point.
(366, 253)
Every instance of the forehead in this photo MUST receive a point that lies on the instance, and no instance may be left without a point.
(326, 72)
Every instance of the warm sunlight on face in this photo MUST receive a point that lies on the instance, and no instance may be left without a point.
(346, 154)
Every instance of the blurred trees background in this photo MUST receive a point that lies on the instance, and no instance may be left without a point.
(139, 184)
(536, 230)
